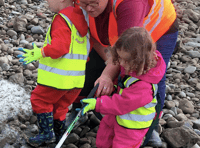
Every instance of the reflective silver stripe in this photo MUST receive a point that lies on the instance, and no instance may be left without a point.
(88, 43)
(67, 20)
(155, 92)
(85, 15)
(61, 72)
(48, 39)
(75, 56)
(130, 81)
(88, 34)
(160, 12)
(114, 5)
(138, 117)
(150, 105)
(156, 89)
(48, 31)
(149, 16)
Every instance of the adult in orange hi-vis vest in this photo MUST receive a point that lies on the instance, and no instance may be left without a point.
(108, 19)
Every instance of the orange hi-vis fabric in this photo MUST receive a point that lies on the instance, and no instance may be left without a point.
(159, 19)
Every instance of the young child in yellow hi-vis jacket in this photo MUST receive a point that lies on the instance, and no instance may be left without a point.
(130, 112)
(61, 71)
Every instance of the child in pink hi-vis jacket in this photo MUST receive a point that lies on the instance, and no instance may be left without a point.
(130, 112)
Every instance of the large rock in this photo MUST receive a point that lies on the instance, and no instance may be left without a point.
(72, 138)
(17, 79)
(20, 24)
(186, 106)
(180, 137)
(1, 2)
(192, 15)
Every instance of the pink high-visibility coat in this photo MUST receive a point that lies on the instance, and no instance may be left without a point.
(110, 133)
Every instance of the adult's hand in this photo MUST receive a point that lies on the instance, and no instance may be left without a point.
(109, 73)
(105, 85)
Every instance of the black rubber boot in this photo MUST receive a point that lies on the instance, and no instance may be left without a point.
(59, 129)
(46, 132)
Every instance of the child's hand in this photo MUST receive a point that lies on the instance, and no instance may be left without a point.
(91, 103)
(30, 55)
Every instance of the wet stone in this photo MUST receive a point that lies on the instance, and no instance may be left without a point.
(196, 124)
(78, 130)
(72, 138)
(186, 106)
(86, 146)
(2, 2)
(84, 131)
(71, 146)
(91, 134)
(84, 140)
(37, 30)
(33, 119)
(170, 104)
(173, 124)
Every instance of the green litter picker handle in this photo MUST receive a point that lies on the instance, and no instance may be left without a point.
(71, 126)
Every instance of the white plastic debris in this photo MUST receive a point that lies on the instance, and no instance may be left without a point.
(13, 99)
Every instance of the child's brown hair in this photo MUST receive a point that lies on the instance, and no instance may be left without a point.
(138, 42)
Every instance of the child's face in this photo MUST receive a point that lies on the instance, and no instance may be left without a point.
(53, 5)
(124, 60)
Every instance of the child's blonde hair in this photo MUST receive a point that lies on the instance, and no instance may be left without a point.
(138, 42)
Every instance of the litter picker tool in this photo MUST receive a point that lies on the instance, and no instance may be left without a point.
(71, 126)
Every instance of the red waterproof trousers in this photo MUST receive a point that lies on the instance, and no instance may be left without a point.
(46, 99)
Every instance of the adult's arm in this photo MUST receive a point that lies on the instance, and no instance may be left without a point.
(99, 49)
(109, 73)
(131, 13)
